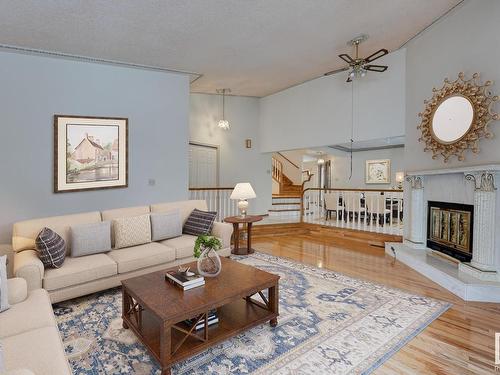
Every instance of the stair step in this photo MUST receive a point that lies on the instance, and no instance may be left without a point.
(284, 210)
(285, 203)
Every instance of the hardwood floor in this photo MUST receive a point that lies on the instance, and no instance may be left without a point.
(461, 341)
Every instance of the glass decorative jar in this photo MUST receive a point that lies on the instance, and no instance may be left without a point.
(209, 264)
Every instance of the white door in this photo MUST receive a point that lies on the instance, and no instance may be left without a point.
(202, 166)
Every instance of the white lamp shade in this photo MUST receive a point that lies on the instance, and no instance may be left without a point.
(243, 190)
(400, 176)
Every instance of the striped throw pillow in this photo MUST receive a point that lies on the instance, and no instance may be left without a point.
(51, 248)
(199, 222)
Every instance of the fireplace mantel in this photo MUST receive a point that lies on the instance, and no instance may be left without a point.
(468, 169)
(479, 279)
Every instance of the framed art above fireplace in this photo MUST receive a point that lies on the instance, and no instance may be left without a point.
(450, 229)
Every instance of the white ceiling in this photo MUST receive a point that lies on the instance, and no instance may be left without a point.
(254, 47)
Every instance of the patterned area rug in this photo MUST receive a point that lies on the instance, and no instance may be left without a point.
(329, 324)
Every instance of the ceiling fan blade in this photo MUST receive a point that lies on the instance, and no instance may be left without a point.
(348, 59)
(377, 55)
(376, 68)
(336, 71)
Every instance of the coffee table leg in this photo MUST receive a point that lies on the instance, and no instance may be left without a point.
(165, 348)
(125, 306)
(274, 304)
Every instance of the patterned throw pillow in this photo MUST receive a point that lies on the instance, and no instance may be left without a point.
(199, 222)
(166, 225)
(51, 248)
(131, 231)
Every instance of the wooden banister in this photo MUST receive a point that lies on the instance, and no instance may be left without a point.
(288, 160)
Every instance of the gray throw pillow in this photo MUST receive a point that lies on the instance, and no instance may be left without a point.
(166, 225)
(199, 222)
(87, 239)
(4, 293)
(51, 248)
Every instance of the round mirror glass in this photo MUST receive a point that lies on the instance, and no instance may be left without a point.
(452, 119)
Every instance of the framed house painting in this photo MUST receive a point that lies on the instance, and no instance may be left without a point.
(90, 153)
(378, 171)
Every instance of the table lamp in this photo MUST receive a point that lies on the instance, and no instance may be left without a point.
(243, 191)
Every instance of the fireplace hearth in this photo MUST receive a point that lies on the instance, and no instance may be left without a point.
(450, 229)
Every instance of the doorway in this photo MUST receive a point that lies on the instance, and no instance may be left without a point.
(203, 165)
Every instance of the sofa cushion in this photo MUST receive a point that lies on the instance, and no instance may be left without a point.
(132, 231)
(34, 312)
(183, 245)
(142, 256)
(51, 248)
(110, 215)
(18, 290)
(185, 207)
(24, 232)
(79, 270)
(166, 225)
(4, 289)
(87, 239)
(199, 222)
(39, 350)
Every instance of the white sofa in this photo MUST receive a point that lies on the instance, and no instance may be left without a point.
(28, 333)
(88, 274)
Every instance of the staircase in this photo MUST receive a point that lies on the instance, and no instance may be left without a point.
(286, 203)
(288, 188)
(287, 206)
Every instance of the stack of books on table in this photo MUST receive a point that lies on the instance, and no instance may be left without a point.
(212, 319)
(184, 282)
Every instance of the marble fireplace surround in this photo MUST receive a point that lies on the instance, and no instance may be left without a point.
(478, 280)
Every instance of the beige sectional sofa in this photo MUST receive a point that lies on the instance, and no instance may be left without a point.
(29, 335)
(92, 273)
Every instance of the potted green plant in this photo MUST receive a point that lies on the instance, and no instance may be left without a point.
(205, 250)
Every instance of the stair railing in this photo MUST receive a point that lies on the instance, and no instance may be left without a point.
(368, 210)
(217, 199)
(277, 170)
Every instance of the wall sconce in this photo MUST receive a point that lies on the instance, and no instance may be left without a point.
(400, 177)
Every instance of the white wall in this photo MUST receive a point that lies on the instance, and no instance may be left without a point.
(318, 113)
(290, 170)
(237, 163)
(467, 40)
(341, 165)
(34, 88)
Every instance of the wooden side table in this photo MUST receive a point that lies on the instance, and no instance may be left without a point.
(236, 221)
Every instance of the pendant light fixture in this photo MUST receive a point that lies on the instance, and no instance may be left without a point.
(223, 123)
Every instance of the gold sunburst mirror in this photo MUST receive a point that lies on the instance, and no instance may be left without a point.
(457, 117)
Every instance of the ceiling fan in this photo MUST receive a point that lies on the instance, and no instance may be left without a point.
(359, 66)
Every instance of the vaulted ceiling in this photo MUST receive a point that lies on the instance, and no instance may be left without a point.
(255, 47)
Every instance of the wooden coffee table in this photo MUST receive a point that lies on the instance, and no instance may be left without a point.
(156, 310)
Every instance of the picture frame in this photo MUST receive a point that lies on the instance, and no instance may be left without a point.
(378, 171)
(90, 153)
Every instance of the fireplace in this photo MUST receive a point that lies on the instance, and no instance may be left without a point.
(449, 229)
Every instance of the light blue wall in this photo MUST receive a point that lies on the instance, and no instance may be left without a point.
(237, 163)
(34, 88)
